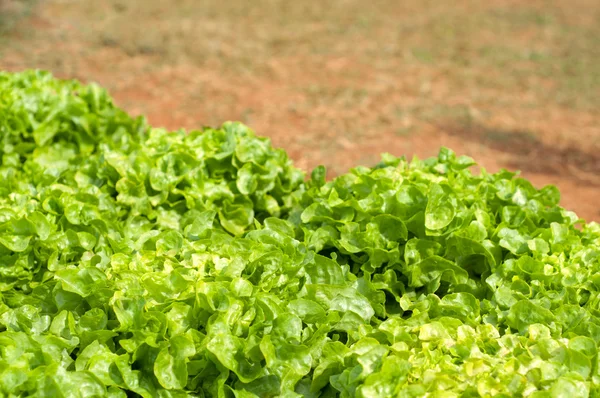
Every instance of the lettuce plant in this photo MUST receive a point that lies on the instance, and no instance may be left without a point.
(140, 262)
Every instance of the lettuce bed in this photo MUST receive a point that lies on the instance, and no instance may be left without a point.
(140, 262)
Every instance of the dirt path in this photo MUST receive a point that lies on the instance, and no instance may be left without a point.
(514, 87)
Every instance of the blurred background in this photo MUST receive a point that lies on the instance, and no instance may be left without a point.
(515, 84)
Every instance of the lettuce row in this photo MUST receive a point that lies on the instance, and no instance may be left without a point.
(140, 262)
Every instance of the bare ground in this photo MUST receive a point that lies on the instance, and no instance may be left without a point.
(515, 84)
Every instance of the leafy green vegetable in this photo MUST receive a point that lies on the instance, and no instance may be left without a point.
(140, 262)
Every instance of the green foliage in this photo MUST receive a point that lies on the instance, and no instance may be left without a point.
(137, 262)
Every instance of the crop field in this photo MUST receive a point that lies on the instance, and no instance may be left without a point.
(137, 261)
(514, 84)
(324, 243)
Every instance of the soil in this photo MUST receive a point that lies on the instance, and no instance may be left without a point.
(343, 99)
